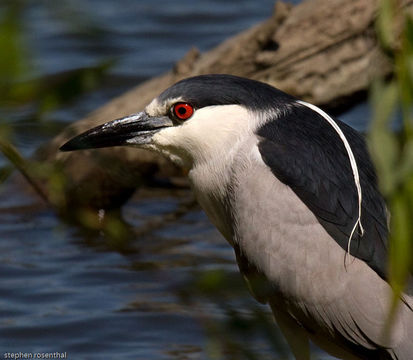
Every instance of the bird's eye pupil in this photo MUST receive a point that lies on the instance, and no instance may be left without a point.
(183, 111)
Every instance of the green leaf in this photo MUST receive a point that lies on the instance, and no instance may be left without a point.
(385, 24)
(382, 142)
(400, 244)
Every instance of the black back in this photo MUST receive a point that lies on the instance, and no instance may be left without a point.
(304, 151)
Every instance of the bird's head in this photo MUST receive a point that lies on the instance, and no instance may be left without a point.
(192, 120)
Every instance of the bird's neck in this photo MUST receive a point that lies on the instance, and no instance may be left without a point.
(214, 182)
(209, 182)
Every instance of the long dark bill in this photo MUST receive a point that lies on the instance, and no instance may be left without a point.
(136, 129)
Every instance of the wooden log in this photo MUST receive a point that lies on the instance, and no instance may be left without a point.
(321, 51)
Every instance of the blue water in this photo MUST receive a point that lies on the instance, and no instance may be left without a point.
(69, 291)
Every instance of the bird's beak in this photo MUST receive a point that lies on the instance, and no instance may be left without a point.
(136, 129)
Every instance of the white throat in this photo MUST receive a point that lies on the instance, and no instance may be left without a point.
(207, 145)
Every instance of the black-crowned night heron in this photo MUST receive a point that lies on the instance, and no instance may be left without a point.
(294, 192)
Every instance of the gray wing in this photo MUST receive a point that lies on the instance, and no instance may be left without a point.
(304, 152)
(355, 323)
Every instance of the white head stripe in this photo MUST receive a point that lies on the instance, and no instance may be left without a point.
(352, 163)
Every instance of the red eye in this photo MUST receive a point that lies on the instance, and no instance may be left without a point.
(183, 111)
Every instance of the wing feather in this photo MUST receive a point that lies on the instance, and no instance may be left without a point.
(305, 152)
